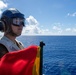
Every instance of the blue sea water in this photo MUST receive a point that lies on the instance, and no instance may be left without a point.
(59, 54)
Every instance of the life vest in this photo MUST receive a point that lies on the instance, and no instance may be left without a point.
(10, 45)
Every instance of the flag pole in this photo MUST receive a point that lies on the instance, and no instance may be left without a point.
(41, 56)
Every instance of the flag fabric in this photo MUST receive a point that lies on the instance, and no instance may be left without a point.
(22, 62)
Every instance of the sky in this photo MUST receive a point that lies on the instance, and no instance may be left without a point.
(45, 17)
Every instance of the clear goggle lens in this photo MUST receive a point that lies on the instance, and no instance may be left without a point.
(18, 21)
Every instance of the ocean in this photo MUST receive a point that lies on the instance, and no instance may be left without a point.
(59, 53)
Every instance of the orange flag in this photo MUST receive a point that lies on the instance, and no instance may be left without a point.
(22, 62)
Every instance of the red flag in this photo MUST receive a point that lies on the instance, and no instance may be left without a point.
(22, 62)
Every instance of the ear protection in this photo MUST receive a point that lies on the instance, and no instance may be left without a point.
(1, 26)
(3, 22)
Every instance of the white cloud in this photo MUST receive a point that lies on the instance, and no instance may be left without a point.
(57, 29)
(32, 27)
(32, 21)
(68, 29)
(74, 30)
(2, 5)
(73, 14)
(0, 11)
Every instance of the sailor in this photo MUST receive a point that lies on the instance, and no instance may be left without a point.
(12, 22)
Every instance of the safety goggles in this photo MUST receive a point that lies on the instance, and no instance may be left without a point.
(18, 21)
